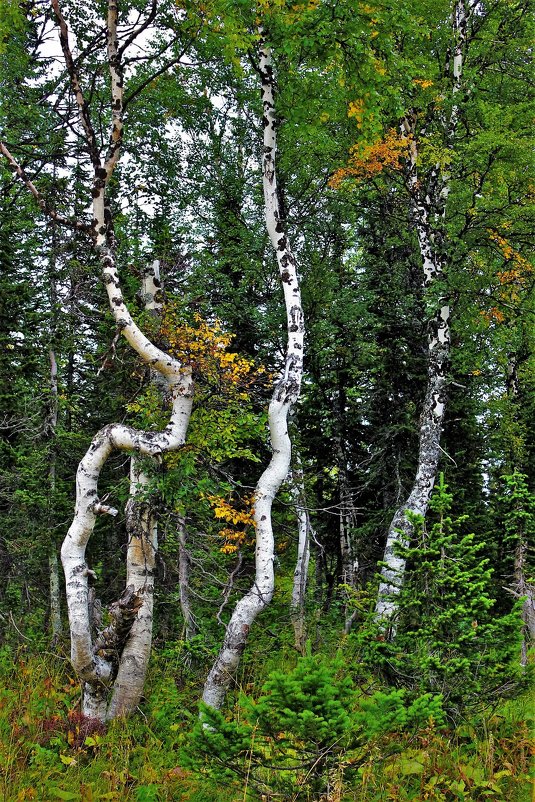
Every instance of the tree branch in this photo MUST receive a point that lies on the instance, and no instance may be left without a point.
(83, 106)
(57, 218)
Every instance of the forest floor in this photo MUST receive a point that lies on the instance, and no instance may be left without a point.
(49, 752)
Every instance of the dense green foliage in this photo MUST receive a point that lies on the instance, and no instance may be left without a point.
(385, 748)
(435, 709)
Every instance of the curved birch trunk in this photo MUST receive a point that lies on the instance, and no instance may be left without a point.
(95, 660)
(95, 656)
(285, 394)
(142, 533)
(428, 211)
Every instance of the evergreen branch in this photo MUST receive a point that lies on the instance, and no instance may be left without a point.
(57, 218)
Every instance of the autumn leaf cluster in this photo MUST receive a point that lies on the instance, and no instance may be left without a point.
(367, 161)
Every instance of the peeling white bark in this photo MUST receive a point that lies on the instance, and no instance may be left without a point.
(286, 393)
(428, 211)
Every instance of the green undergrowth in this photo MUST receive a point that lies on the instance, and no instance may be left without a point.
(303, 733)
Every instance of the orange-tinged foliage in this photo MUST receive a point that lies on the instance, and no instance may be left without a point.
(512, 279)
(367, 161)
(203, 347)
(493, 314)
(225, 511)
(423, 82)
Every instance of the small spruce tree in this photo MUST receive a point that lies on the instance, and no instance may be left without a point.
(450, 640)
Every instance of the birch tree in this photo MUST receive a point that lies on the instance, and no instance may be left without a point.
(285, 395)
(117, 653)
(428, 196)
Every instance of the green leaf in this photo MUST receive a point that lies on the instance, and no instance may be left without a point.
(68, 796)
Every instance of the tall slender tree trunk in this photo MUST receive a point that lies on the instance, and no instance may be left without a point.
(184, 571)
(285, 394)
(428, 206)
(51, 429)
(53, 562)
(300, 578)
(522, 588)
(525, 590)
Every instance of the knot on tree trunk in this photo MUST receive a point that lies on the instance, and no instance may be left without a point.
(123, 613)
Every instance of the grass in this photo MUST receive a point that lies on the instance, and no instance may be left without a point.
(48, 753)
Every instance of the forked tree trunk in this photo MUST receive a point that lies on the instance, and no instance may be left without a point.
(97, 660)
(428, 206)
(96, 657)
(285, 394)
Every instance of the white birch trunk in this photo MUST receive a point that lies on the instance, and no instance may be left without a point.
(94, 661)
(140, 565)
(142, 533)
(286, 393)
(428, 210)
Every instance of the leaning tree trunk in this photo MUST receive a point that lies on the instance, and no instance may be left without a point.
(428, 206)
(96, 660)
(96, 656)
(285, 394)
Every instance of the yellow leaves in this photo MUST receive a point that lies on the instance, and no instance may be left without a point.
(229, 513)
(514, 278)
(423, 83)
(203, 346)
(367, 161)
(379, 66)
(356, 109)
(224, 510)
(521, 266)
